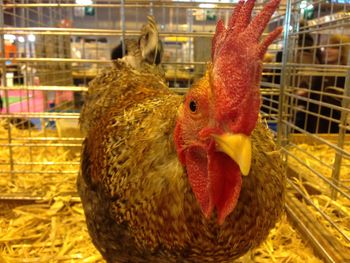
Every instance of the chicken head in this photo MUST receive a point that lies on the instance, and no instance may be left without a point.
(220, 111)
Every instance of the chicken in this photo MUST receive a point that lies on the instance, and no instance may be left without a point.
(146, 49)
(194, 178)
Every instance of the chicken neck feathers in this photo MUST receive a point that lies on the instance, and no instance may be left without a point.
(116, 83)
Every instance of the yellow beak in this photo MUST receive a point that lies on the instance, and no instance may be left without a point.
(238, 147)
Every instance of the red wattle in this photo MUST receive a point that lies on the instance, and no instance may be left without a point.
(226, 182)
(196, 167)
(215, 180)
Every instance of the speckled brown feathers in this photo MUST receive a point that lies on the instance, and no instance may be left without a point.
(138, 203)
(113, 85)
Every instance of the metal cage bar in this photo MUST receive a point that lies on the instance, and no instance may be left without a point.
(57, 48)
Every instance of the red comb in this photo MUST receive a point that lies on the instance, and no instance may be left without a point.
(250, 31)
(237, 54)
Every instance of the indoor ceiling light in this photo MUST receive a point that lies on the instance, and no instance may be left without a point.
(83, 2)
(9, 37)
(204, 5)
(20, 39)
(31, 38)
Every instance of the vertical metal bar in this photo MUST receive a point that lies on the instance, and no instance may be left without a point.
(177, 46)
(60, 54)
(122, 21)
(341, 137)
(24, 21)
(190, 42)
(151, 12)
(171, 15)
(281, 130)
(137, 20)
(97, 45)
(4, 84)
(38, 50)
(109, 39)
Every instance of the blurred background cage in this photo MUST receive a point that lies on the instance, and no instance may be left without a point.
(50, 50)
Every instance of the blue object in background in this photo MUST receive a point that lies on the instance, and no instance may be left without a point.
(51, 123)
(272, 126)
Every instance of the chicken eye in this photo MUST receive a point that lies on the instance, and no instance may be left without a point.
(193, 106)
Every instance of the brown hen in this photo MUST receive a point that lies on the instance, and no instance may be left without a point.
(167, 178)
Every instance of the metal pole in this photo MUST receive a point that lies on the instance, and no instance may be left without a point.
(23, 22)
(122, 20)
(342, 132)
(281, 129)
(4, 84)
(189, 19)
(151, 12)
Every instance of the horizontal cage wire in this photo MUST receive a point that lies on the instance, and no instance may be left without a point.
(314, 123)
(50, 50)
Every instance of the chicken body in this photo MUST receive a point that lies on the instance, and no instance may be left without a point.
(194, 178)
(138, 203)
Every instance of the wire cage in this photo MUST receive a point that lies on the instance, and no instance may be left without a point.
(50, 50)
(313, 123)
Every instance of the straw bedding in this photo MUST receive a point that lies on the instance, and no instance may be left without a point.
(320, 158)
(55, 231)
